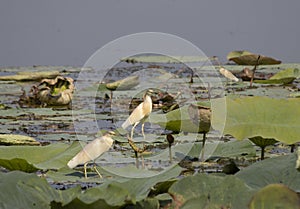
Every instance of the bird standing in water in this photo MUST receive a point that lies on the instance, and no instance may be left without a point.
(139, 115)
(92, 151)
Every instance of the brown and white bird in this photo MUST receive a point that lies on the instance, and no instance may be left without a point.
(92, 151)
(140, 113)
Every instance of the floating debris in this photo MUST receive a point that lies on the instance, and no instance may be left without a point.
(50, 92)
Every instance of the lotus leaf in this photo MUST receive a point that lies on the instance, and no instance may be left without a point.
(211, 190)
(123, 84)
(272, 171)
(193, 118)
(260, 116)
(275, 196)
(13, 139)
(30, 159)
(248, 58)
(30, 76)
(29, 191)
(164, 59)
(127, 191)
(282, 77)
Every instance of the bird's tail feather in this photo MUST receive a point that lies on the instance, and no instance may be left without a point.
(73, 162)
(126, 124)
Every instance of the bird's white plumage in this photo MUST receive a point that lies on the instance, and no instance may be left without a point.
(91, 151)
(228, 74)
(141, 112)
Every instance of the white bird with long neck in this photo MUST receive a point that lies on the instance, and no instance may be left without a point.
(140, 114)
(92, 151)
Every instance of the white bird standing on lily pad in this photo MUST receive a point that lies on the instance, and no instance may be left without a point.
(140, 113)
(92, 151)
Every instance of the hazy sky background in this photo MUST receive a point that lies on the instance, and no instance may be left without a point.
(68, 32)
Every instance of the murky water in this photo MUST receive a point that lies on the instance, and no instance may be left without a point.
(51, 125)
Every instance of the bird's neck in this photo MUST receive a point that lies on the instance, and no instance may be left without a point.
(148, 99)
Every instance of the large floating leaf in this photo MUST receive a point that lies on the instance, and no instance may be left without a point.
(272, 171)
(282, 77)
(164, 59)
(211, 191)
(275, 196)
(30, 159)
(123, 84)
(234, 149)
(21, 190)
(187, 118)
(13, 139)
(287, 73)
(261, 116)
(248, 58)
(30, 76)
(113, 193)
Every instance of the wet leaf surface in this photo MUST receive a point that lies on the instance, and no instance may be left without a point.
(275, 196)
(160, 183)
(277, 170)
(248, 58)
(210, 190)
(262, 116)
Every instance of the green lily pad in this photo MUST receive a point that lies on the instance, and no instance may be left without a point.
(262, 142)
(272, 171)
(30, 76)
(164, 59)
(249, 117)
(209, 189)
(287, 73)
(120, 192)
(275, 196)
(123, 84)
(276, 81)
(24, 190)
(30, 159)
(282, 77)
(234, 149)
(186, 119)
(248, 58)
(151, 203)
(13, 139)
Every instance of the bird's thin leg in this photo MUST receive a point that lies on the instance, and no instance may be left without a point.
(132, 130)
(136, 159)
(97, 171)
(203, 144)
(142, 157)
(84, 166)
(136, 154)
(143, 125)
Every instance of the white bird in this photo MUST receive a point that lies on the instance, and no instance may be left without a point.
(140, 113)
(228, 74)
(92, 151)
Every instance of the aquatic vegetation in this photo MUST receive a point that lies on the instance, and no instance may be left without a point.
(174, 176)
